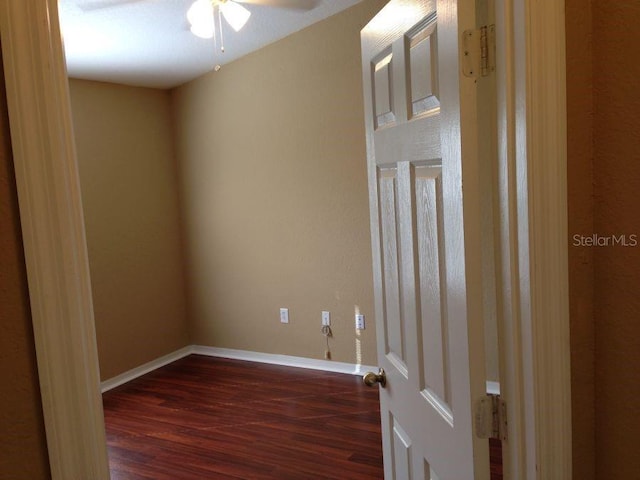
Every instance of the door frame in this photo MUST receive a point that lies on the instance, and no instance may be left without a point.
(53, 238)
(532, 186)
(533, 323)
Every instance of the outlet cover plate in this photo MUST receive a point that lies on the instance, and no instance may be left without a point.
(284, 315)
(359, 321)
(326, 318)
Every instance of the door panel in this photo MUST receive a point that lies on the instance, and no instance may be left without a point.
(422, 59)
(402, 453)
(394, 331)
(428, 213)
(421, 138)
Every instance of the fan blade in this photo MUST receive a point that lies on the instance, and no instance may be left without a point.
(200, 16)
(235, 14)
(290, 4)
(91, 5)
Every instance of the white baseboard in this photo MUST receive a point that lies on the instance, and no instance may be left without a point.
(284, 360)
(145, 368)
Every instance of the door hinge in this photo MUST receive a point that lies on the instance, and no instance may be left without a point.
(491, 417)
(479, 51)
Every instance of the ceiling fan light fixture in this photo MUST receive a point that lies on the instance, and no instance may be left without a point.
(203, 30)
(235, 14)
(200, 16)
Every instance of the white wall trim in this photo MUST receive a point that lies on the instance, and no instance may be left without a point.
(542, 120)
(145, 368)
(53, 238)
(246, 355)
(519, 449)
(284, 360)
(535, 352)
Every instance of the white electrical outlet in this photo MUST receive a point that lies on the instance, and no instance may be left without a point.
(359, 321)
(326, 318)
(284, 315)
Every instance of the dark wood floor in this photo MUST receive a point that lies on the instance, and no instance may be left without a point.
(206, 418)
(210, 418)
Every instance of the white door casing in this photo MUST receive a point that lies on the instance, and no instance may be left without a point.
(422, 148)
(54, 239)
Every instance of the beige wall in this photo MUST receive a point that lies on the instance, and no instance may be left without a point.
(604, 181)
(23, 450)
(580, 196)
(274, 192)
(129, 194)
(616, 175)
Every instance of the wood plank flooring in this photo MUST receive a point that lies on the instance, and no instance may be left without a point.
(211, 418)
(203, 418)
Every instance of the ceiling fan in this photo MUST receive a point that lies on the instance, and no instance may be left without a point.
(202, 13)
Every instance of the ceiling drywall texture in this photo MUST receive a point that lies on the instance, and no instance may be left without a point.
(148, 42)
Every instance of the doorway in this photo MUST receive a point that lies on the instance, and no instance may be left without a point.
(61, 348)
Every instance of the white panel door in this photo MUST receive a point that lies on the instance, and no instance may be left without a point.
(422, 147)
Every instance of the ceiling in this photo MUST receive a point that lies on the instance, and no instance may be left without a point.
(148, 42)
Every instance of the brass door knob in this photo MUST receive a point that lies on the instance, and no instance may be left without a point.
(370, 378)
